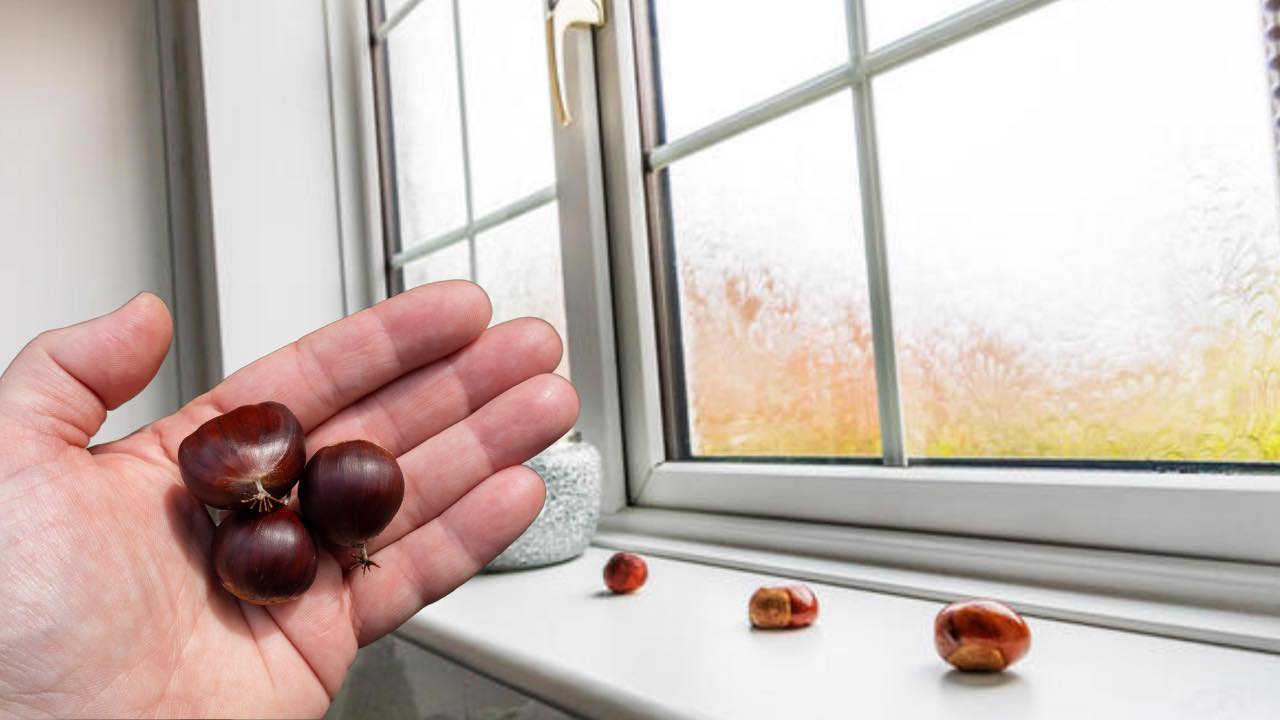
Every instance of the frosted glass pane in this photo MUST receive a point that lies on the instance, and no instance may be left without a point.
(1082, 225)
(427, 126)
(518, 264)
(450, 263)
(888, 20)
(508, 100)
(718, 56)
(773, 291)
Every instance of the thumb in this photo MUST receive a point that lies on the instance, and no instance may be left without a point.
(63, 382)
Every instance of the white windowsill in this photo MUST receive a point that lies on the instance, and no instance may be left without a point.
(1221, 602)
(681, 647)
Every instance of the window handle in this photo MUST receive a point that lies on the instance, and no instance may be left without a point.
(565, 14)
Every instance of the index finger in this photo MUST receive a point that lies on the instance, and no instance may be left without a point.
(327, 370)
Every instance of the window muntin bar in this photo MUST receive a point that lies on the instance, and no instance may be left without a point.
(511, 211)
(466, 141)
(383, 30)
(927, 40)
(801, 95)
(888, 387)
(945, 32)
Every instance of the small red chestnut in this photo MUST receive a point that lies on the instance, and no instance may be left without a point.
(264, 558)
(248, 458)
(625, 573)
(981, 635)
(783, 606)
(349, 493)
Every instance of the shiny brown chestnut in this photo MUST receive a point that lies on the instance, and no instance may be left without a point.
(783, 606)
(264, 558)
(248, 458)
(981, 635)
(349, 493)
(625, 573)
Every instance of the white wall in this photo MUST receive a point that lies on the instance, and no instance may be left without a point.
(84, 217)
(272, 173)
(83, 212)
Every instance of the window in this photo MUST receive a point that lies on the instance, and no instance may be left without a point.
(1078, 215)
(477, 181)
(986, 268)
(470, 153)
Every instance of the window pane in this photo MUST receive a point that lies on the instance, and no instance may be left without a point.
(518, 264)
(450, 263)
(888, 20)
(1084, 242)
(426, 123)
(773, 292)
(393, 6)
(508, 100)
(718, 56)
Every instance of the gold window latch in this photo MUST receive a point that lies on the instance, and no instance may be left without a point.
(563, 15)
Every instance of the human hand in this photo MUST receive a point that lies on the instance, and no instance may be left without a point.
(108, 603)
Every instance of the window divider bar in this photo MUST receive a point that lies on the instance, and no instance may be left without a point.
(945, 32)
(806, 93)
(510, 211)
(464, 127)
(383, 30)
(888, 389)
(929, 39)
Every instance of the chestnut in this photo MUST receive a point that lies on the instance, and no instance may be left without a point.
(349, 493)
(980, 635)
(625, 573)
(783, 606)
(248, 458)
(264, 558)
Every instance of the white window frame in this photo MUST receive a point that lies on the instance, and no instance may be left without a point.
(1227, 516)
(1209, 539)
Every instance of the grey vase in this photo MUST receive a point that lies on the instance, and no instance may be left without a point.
(567, 522)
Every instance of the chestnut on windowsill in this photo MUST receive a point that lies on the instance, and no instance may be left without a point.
(981, 635)
(625, 573)
(776, 607)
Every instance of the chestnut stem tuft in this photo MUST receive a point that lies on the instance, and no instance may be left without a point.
(362, 559)
(263, 501)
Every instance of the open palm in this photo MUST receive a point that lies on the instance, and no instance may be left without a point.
(108, 605)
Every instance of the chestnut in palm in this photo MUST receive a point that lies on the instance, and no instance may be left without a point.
(349, 493)
(981, 635)
(264, 558)
(248, 458)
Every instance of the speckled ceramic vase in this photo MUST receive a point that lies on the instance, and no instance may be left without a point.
(571, 470)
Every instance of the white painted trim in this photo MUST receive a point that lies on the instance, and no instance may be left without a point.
(636, 335)
(584, 254)
(355, 143)
(196, 349)
(1226, 516)
(271, 158)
